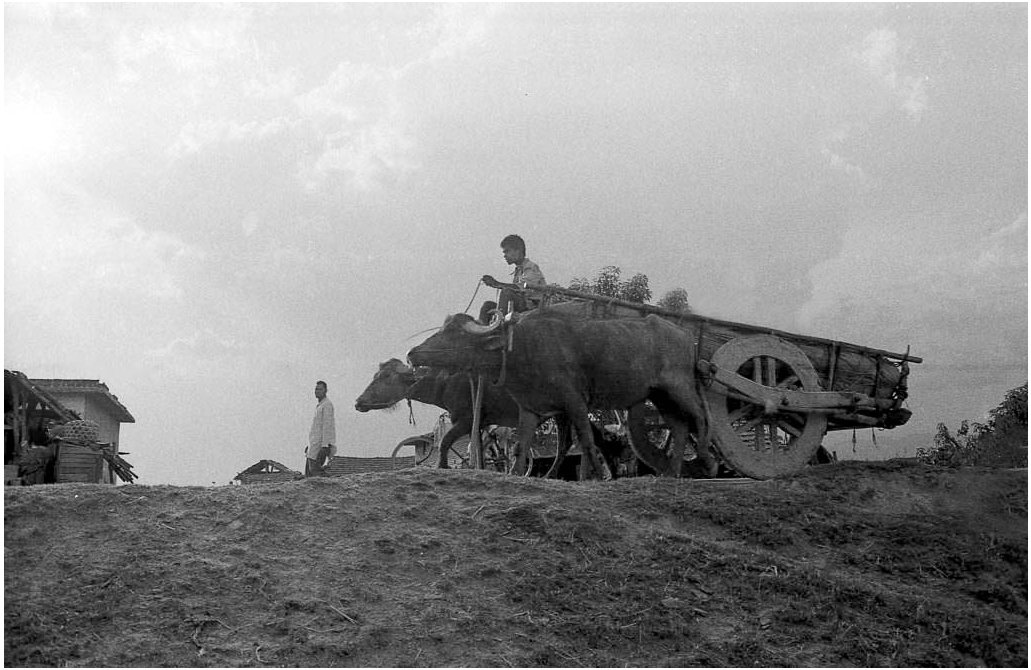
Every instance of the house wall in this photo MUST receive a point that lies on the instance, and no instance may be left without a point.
(96, 410)
(92, 408)
(73, 401)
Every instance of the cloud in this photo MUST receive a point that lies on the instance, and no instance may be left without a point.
(369, 134)
(202, 345)
(942, 284)
(830, 148)
(194, 42)
(84, 284)
(366, 133)
(71, 239)
(197, 136)
(372, 155)
(880, 55)
(45, 13)
(266, 85)
(459, 28)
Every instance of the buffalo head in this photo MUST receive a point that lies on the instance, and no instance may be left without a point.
(388, 387)
(462, 343)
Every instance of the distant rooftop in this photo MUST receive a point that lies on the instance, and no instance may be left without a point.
(267, 470)
(91, 386)
(351, 465)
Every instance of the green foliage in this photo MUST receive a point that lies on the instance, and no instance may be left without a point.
(1002, 442)
(675, 301)
(608, 283)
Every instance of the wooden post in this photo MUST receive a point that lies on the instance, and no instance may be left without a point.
(16, 427)
(475, 443)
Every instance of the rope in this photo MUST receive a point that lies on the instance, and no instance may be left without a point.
(411, 413)
(473, 299)
(422, 332)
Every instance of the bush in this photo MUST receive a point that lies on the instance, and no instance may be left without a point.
(676, 301)
(1000, 443)
(608, 283)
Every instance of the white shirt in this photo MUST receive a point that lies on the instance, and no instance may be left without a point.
(323, 428)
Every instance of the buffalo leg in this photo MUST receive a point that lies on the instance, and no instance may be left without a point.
(584, 433)
(457, 430)
(679, 433)
(565, 442)
(639, 442)
(678, 409)
(528, 423)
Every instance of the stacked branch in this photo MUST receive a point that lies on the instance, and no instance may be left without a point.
(118, 465)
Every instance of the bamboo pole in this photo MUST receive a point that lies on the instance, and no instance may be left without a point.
(475, 442)
(651, 309)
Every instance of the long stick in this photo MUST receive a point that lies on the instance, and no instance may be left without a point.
(651, 309)
(475, 443)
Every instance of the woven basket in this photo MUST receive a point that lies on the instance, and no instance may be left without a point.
(85, 430)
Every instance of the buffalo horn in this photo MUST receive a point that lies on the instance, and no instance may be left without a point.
(483, 329)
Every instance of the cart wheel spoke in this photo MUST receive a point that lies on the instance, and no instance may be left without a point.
(788, 428)
(760, 437)
(751, 423)
(744, 413)
(771, 372)
(790, 382)
(754, 443)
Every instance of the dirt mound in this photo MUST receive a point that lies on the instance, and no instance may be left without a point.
(869, 564)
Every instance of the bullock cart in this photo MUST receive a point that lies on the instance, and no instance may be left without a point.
(770, 395)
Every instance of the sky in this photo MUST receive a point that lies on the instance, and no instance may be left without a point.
(210, 207)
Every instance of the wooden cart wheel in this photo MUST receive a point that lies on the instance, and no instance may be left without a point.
(757, 441)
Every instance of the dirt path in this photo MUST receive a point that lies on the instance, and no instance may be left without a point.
(868, 564)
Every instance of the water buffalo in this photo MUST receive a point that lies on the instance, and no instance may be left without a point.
(554, 364)
(395, 381)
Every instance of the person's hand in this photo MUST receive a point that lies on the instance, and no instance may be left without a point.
(488, 280)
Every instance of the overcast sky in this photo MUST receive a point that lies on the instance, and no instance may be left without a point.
(210, 207)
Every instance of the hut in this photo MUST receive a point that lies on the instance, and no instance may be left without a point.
(267, 472)
(92, 401)
(62, 430)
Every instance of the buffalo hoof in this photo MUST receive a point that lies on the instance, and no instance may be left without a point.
(698, 468)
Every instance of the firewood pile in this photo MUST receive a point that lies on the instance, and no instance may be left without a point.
(118, 465)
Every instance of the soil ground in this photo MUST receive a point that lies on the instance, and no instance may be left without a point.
(847, 564)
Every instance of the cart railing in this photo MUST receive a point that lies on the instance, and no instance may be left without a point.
(548, 292)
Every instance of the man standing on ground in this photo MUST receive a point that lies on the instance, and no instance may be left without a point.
(323, 435)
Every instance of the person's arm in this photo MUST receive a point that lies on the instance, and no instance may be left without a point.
(329, 428)
(494, 283)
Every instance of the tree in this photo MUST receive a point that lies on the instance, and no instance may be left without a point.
(607, 283)
(675, 301)
(1002, 442)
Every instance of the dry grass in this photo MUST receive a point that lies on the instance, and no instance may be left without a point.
(891, 564)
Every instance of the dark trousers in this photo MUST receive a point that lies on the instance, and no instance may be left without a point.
(313, 466)
(517, 300)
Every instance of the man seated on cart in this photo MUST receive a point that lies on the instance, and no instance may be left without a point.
(526, 273)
